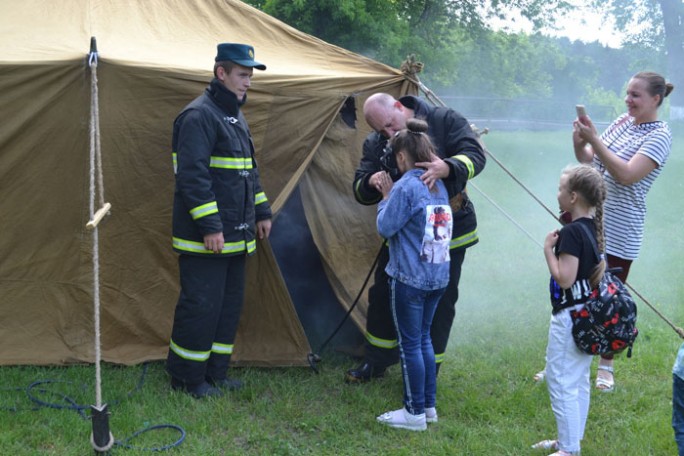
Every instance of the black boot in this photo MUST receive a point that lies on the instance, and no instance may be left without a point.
(196, 390)
(225, 384)
(363, 373)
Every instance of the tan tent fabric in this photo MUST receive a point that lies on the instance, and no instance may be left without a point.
(154, 57)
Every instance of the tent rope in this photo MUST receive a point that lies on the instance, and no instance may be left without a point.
(95, 166)
(410, 69)
(101, 439)
(314, 358)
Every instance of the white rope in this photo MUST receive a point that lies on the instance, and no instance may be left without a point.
(506, 214)
(95, 165)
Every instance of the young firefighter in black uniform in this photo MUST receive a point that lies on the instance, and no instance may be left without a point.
(460, 158)
(219, 210)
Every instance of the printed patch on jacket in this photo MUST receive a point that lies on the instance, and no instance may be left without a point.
(437, 236)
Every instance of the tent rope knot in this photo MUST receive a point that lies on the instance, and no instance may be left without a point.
(411, 67)
(92, 55)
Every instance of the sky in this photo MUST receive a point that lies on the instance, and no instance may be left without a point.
(582, 23)
(585, 25)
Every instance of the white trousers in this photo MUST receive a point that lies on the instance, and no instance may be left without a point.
(567, 377)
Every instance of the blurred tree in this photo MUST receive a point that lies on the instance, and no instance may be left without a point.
(438, 32)
(660, 25)
(370, 27)
(465, 58)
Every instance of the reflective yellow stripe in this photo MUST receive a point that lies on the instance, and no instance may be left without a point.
(220, 162)
(381, 343)
(466, 239)
(198, 247)
(357, 186)
(222, 349)
(468, 163)
(231, 162)
(260, 198)
(191, 355)
(439, 357)
(204, 210)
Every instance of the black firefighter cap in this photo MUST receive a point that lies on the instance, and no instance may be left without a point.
(242, 54)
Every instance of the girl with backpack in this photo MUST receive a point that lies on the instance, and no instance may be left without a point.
(417, 221)
(574, 273)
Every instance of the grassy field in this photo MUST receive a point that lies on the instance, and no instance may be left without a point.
(487, 401)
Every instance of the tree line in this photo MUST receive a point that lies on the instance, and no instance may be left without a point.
(463, 56)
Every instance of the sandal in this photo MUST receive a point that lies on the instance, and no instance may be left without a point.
(605, 381)
(546, 445)
(539, 376)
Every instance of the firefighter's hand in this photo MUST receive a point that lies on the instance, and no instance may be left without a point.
(434, 170)
(263, 228)
(374, 180)
(214, 242)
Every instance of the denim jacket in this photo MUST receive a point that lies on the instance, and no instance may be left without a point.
(418, 224)
(678, 368)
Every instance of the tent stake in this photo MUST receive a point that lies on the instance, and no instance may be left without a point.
(101, 438)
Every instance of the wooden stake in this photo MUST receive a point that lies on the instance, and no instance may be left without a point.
(92, 224)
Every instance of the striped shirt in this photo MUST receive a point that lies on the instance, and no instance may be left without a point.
(624, 211)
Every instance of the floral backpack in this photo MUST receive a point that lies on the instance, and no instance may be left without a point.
(607, 322)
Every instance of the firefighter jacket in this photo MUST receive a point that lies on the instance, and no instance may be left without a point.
(455, 143)
(217, 181)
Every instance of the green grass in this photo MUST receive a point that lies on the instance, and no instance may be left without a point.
(487, 401)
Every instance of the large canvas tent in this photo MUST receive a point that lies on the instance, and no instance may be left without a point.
(155, 56)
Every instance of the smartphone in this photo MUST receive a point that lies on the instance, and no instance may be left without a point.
(580, 111)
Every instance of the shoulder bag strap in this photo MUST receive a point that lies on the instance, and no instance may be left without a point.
(592, 239)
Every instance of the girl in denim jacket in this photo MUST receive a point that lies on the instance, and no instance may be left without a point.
(417, 221)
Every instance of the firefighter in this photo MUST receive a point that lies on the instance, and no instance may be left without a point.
(460, 158)
(219, 210)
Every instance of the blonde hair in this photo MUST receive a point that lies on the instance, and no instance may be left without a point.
(587, 182)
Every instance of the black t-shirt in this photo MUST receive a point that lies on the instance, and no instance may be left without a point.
(572, 240)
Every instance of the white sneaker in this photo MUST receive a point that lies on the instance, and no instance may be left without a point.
(402, 419)
(431, 415)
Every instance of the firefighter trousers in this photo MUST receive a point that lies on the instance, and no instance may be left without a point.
(206, 318)
(381, 345)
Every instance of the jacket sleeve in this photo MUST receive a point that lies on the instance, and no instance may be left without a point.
(394, 212)
(262, 208)
(370, 164)
(464, 152)
(194, 140)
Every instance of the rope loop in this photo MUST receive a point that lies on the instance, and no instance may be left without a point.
(105, 448)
